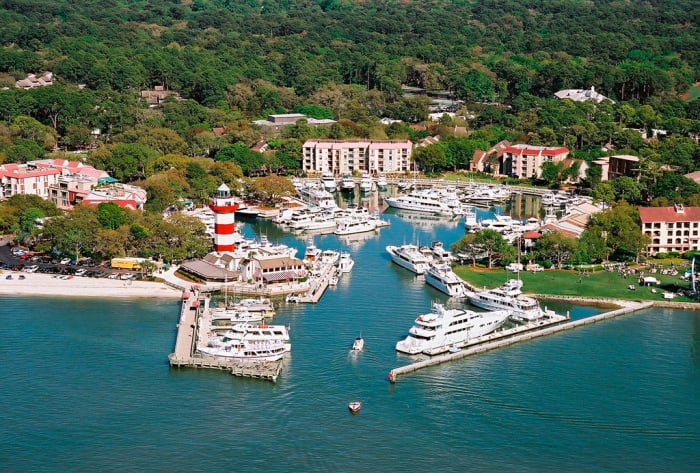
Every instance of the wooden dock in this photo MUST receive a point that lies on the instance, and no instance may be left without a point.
(185, 356)
(516, 335)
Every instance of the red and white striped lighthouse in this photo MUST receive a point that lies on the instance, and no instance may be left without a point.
(223, 205)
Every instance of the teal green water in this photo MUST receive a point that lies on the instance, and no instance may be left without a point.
(86, 387)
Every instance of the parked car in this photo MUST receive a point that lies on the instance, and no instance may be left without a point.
(81, 272)
(65, 261)
(31, 268)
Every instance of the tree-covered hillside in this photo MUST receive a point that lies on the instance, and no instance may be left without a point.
(486, 50)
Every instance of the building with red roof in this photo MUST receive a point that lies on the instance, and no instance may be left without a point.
(525, 161)
(26, 180)
(671, 229)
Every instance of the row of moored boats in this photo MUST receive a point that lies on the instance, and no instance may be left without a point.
(450, 329)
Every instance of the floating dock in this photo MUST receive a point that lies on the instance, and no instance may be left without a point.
(521, 333)
(185, 356)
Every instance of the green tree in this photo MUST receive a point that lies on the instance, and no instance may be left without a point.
(271, 189)
(493, 246)
(555, 247)
(110, 215)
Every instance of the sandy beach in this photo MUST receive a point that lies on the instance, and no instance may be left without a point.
(39, 284)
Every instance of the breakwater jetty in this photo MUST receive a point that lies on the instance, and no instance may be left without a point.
(185, 355)
(503, 338)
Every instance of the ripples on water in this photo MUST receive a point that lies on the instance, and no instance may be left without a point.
(87, 388)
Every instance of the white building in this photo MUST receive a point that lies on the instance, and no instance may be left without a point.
(581, 95)
(27, 180)
(341, 157)
(671, 229)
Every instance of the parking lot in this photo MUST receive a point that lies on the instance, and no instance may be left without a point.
(28, 263)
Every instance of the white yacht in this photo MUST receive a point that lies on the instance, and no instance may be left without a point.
(410, 257)
(358, 344)
(442, 278)
(403, 184)
(381, 181)
(470, 217)
(222, 316)
(440, 253)
(349, 225)
(322, 221)
(347, 183)
(244, 349)
(346, 263)
(366, 183)
(312, 194)
(421, 202)
(444, 329)
(328, 182)
(508, 296)
(260, 333)
(500, 223)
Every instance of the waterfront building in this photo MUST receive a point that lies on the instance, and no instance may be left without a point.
(525, 161)
(671, 229)
(347, 156)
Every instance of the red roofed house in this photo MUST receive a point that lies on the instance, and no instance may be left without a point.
(524, 161)
(489, 161)
(671, 228)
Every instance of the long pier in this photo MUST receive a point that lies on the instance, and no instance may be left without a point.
(185, 356)
(517, 335)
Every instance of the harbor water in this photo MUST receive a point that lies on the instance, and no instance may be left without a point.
(87, 387)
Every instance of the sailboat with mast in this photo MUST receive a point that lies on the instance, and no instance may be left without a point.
(233, 313)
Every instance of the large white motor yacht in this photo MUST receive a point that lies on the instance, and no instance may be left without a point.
(328, 182)
(349, 225)
(311, 193)
(366, 183)
(347, 183)
(421, 202)
(444, 329)
(442, 278)
(410, 257)
(244, 349)
(508, 296)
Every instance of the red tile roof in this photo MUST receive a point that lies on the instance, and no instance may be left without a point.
(536, 150)
(669, 214)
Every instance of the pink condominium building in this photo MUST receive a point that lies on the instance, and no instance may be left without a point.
(346, 156)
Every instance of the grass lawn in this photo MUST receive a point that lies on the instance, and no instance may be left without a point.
(693, 93)
(570, 283)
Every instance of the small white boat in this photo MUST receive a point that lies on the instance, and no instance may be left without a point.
(292, 298)
(355, 407)
(346, 263)
(358, 344)
(381, 181)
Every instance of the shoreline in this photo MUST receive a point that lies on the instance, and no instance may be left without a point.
(39, 284)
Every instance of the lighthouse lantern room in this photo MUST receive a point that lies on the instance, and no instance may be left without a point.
(223, 205)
